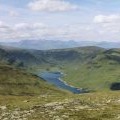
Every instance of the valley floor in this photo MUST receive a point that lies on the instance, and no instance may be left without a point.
(90, 106)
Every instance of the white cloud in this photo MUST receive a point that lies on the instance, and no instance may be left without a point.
(13, 13)
(28, 26)
(1, 23)
(39, 25)
(22, 26)
(108, 23)
(22, 31)
(51, 5)
(106, 18)
(4, 28)
(107, 26)
(109, 31)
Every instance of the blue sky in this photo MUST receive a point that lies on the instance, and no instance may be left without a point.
(86, 20)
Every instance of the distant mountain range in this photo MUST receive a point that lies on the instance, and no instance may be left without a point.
(58, 44)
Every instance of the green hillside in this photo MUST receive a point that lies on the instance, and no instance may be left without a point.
(87, 67)
(92, 67)
(97, 74)
(18, 57)
(63, 56)
(18, 82)
(26, 58)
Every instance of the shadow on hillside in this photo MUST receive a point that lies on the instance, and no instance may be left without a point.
(115, 86)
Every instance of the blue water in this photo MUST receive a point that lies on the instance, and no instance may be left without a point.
(55, 79)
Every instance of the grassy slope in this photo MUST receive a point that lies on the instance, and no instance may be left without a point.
(17, 82)
(97, 74)
(92, 106)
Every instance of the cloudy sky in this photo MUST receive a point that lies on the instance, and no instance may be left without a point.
(86, 20)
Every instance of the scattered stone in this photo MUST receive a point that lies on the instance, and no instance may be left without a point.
(3, 107)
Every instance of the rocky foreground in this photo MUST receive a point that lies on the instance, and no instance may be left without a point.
(81, 107)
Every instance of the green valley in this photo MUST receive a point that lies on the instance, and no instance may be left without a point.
(25, 96)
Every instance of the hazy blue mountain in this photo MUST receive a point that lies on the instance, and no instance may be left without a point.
(49, 44)
(109, 44)
(58, 44)
(43, 44)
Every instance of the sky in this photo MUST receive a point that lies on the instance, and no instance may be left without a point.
(80, 20)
